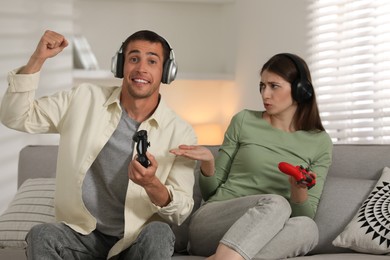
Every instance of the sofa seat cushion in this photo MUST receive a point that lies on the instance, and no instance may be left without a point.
(341, 256)
(345, 256)
(32, 204)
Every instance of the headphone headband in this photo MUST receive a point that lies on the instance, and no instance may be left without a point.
(169, 66)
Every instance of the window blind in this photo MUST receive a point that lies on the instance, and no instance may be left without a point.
(349, 57)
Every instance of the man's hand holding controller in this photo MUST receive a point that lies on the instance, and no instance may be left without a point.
(141, 137)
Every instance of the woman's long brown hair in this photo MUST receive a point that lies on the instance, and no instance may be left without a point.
(307, 116)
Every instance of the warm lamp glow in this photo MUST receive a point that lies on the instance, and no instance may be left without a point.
(209, 134)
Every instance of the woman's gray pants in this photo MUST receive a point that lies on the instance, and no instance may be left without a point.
(256, 226)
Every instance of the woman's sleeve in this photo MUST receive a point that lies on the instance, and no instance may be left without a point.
(320, 166)
(224, 159)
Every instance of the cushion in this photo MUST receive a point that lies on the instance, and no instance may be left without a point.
(369, 230)
(32, 204)
(181, 232)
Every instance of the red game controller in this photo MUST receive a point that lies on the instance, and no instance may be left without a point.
(300, 174)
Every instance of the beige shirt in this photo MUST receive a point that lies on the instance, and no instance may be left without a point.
(85, 117)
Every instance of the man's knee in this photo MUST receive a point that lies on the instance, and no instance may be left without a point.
(41, 232)
(158, 231)
(156, 241)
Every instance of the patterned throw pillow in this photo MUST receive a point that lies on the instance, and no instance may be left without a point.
(369, 230)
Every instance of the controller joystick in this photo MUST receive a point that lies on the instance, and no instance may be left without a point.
(141, 137)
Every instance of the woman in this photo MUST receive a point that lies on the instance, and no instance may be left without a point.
(252, 209)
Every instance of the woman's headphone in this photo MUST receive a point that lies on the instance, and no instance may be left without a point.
(301, 89)
(169, 67)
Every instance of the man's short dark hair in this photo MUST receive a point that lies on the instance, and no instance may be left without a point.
(146, 35)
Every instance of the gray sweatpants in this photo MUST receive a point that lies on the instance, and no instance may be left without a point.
(257, 227)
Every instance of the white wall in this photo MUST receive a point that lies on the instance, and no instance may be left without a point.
(265, 28)
(232, 38)
(219, 47)
(202, 35)
(22, 24)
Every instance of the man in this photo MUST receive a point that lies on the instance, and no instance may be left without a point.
(107, 203)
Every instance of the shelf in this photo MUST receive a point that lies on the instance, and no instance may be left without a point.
(101, 77)
(184, 1)
(105, 76)
(204, 76)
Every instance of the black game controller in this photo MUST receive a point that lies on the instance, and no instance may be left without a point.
(141, 137)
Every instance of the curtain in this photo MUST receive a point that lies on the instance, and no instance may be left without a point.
(349, 58)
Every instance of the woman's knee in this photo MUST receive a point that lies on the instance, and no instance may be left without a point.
(274, 198)
(276, 202)
(306, 228)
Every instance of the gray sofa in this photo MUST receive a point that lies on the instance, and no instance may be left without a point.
(352, 176)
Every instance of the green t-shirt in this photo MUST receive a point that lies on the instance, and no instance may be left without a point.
(247, 162)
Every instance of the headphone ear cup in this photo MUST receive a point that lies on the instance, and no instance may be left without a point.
(169, 71)
(117, 63)
(301, 89)
(304, 91)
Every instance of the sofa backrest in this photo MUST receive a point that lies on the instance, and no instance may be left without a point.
(349, 161)
(362, 161)
(37, 161)
(353, 174)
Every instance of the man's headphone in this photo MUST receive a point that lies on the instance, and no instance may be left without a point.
(169, 67)
(301, 89)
